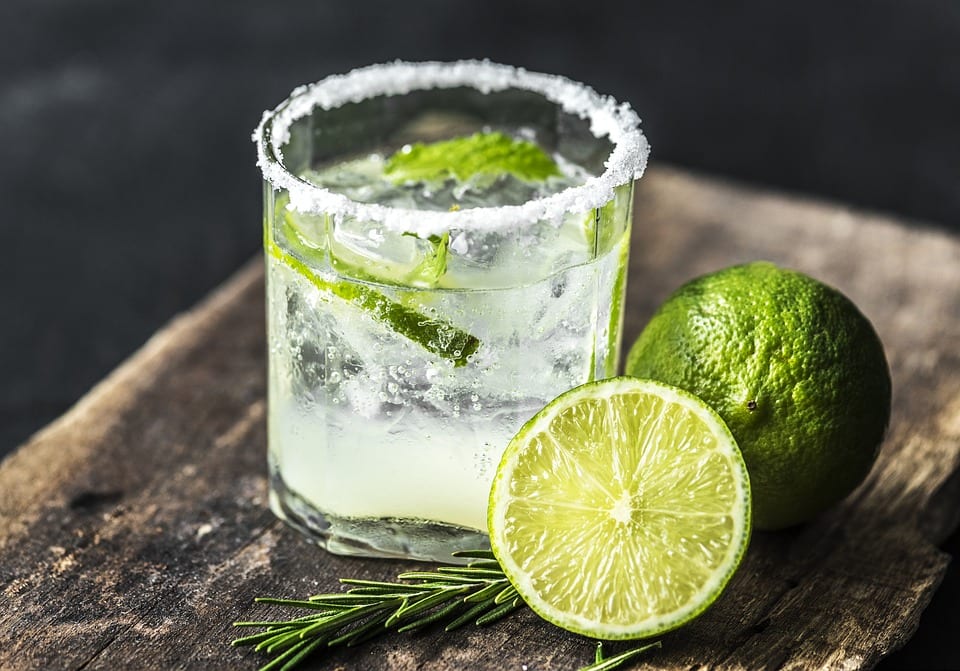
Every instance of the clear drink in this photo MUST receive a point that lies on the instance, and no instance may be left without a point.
(415, 323)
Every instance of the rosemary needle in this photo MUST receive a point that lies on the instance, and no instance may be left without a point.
(602, 663)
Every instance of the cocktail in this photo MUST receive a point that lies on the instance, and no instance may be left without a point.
(446, 250)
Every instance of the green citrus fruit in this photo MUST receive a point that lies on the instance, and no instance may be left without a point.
(620, 510)
(794, 369)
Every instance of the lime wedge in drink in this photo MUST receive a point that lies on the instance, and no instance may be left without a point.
(621, 510)
(434, 335)
(464, 157)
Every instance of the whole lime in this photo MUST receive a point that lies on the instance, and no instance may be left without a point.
(795, 370)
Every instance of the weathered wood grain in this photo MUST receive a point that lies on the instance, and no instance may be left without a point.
(134, 529)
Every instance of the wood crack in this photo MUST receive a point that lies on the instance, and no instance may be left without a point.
(761, 623)
(102, 648)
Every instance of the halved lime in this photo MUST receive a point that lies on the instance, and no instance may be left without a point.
(621, 510)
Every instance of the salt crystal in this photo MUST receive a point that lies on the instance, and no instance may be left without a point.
(606, 117)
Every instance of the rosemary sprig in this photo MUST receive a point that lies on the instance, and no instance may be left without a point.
(455, 595)
(478, 592)
(602, 663)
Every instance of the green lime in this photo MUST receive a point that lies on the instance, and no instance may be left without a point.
(620, 510)
(463, 157)
(794, 369)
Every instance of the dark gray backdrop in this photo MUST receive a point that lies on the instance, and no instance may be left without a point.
(127, 180)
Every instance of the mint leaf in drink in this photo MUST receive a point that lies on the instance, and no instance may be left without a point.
(464, 157)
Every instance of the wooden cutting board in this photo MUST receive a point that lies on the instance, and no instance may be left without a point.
(134, 529)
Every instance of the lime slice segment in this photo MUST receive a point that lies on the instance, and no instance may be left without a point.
(621, 510)
(311, 236)
(435, 336)
(425, 273)
(615, 325)
(464, 157)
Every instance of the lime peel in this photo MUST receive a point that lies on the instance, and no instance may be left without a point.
(621, 510)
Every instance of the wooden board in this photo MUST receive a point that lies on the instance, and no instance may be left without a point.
(135, 529)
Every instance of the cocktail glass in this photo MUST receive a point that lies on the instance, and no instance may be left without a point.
(408, 343)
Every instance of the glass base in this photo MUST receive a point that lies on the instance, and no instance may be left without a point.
(384, 537)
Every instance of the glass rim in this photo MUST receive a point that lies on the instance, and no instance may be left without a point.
(607, 118)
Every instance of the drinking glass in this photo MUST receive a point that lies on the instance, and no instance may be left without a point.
(413, 330)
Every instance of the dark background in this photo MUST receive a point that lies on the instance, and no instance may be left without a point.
(127, 180)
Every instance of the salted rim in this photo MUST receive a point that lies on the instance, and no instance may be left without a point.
(616, 121)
